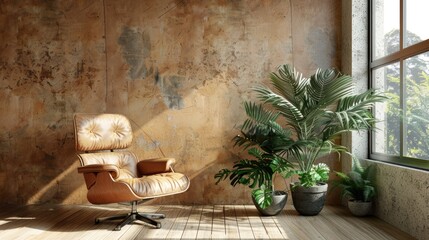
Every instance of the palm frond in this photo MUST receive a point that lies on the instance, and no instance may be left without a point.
(328, 86)
(281, 104)
(363, 101)
(244, 141)
(279, 164)
(257, 114)
(260, 127)
(353, 112)
(289, 83)
(258, 154)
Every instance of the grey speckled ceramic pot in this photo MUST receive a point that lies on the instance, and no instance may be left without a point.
(359, 208)
(309, 201)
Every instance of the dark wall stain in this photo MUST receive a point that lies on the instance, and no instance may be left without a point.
(45, 74)
(169, 87)
(136, 48)
(79, 69)
(37, 67)
(156, 76)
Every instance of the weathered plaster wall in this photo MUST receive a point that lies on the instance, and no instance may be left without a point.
(52, 63)
(179, 70)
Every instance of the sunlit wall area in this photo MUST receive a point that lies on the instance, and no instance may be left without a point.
(179, 70)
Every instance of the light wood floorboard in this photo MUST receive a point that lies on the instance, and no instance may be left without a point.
(244, 227)
(189, 222)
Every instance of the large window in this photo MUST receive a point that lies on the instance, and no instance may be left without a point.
(399, 66)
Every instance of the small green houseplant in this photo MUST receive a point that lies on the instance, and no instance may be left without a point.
(258, 173)
(358, 186)
(299, 122)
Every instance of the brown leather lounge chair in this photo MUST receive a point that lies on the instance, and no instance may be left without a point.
(113, 174)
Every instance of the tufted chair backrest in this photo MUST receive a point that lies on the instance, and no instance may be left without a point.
(96, 133)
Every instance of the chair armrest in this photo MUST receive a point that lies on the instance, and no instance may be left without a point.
(97, 168)
(155, 165)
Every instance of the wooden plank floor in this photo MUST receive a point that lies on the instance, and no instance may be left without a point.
(189, 222)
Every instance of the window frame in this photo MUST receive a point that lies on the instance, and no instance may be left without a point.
(400, 56)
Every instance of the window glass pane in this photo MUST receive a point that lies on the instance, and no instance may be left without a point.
(416, 118)
(387, 133)
(415, 18)
(386, 27)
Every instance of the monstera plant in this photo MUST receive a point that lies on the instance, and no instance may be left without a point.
(259, 171)
(299, 120)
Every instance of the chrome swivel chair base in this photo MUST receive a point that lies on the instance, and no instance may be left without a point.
(128, 218)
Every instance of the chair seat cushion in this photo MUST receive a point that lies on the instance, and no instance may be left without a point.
(158, 185)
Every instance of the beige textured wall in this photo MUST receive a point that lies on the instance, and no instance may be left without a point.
(179, 70)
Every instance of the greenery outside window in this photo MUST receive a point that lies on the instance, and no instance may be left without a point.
(399, 65)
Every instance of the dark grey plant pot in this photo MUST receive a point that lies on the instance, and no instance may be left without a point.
(309, 201)
(279, 202)
(359, 208)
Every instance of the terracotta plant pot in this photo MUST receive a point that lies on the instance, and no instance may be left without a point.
(279, 202)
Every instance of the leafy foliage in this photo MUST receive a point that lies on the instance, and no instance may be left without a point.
(411, 115)
(358, 184)
(415, 116)
(294, 125)
(263, 196)
(255, 173)
(261, 129)
(318, 173)
(316, 110)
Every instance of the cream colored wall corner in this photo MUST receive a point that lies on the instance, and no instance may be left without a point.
(403, 193)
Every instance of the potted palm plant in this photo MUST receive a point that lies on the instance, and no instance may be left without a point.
(299, 121)
(358, 186)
